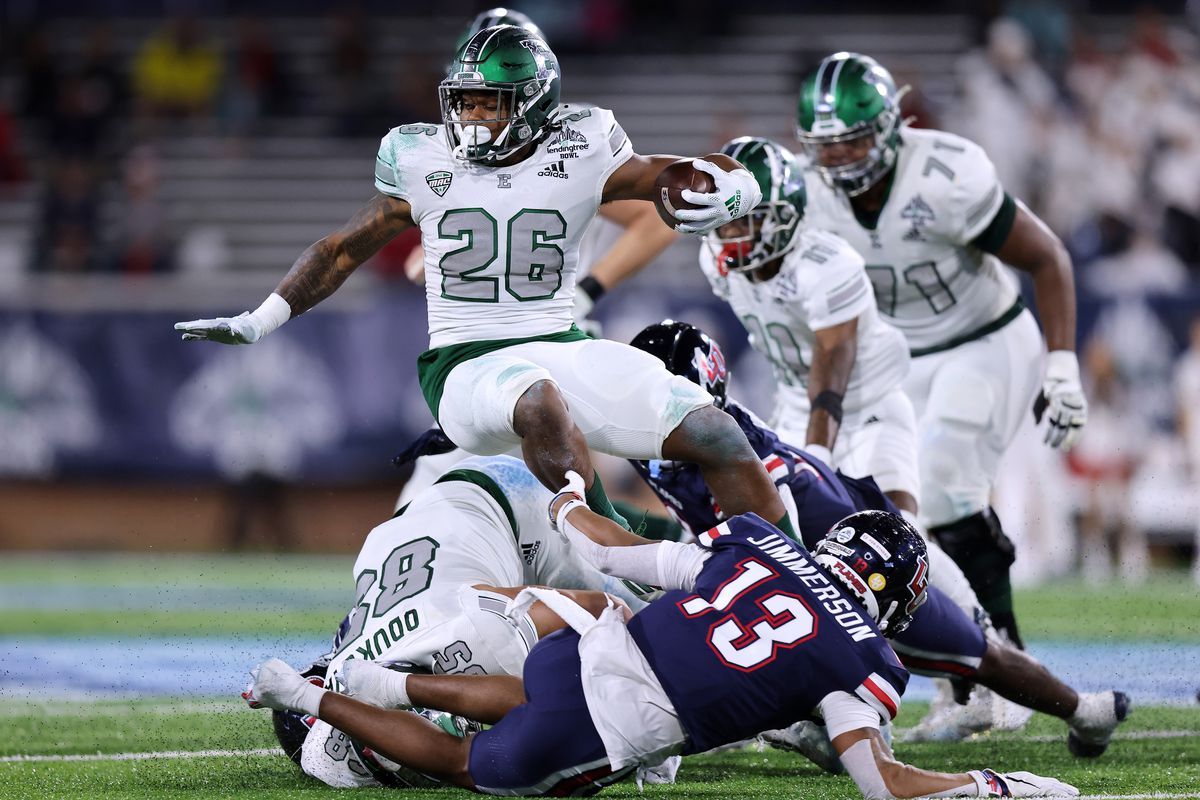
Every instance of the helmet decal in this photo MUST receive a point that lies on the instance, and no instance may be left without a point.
(687, 351)
(882, 561)
(710, 365)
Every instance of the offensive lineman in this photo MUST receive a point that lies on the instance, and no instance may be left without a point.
(698, 668)
(928, 214)
(431, 586)
(805, 300)
(503, 191)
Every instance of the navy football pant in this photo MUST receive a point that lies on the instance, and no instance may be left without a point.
(942, 641)
(547, 746)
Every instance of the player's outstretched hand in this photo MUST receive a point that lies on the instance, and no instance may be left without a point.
(275, 684)
(737, 192)
(242, 329)
(1020, 784)
(1061, 400)
(246, 328)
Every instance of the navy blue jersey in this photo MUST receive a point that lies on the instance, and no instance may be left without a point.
(822, 496)
(762, 638)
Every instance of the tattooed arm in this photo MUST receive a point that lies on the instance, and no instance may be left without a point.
(322, 268)
(317, 273)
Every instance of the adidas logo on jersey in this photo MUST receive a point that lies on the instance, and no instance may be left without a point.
(529, 551)
(554, 169)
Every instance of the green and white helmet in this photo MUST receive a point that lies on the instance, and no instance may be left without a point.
(774, 224)
(523, 72)
(848, 97)
(498, 16)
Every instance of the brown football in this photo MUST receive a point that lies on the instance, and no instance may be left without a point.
(682, 175)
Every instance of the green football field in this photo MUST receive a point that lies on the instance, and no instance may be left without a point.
(218, 749)
(205, 747)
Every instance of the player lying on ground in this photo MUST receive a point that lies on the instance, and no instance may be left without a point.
(945, 640)
(752, 633)
(506, 366)
(431, 585)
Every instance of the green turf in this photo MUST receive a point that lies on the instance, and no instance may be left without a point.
(1131, 766)
(315, 590)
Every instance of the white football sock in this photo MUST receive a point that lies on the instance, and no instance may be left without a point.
(1095, 710)
(379, 686)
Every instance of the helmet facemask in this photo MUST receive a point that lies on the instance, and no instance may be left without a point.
(520, 72)
(857, 176)
(472, 140)
(768, 232)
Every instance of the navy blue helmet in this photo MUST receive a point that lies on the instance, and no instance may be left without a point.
(883, 561)
(689, 352)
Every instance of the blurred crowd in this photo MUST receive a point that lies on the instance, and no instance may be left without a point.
(1098, 132)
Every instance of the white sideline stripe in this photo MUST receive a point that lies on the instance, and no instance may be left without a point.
(165, 754)
(1153, 796)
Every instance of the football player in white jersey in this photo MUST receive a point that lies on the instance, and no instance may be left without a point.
(431, 586)
(642, 237)
(503, 191)
(806, 302)
(936, 228)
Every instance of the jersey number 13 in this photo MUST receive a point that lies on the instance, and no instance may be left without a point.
(747, 645)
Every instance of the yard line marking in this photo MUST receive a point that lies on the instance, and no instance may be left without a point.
(1153, 796)
(1132, 735)
(165, 754)
(1016, 736)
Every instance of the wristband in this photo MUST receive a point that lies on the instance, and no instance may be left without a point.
(1062, 365)
(273, 312)
(831, 401)
(591, 287)
(820, 452)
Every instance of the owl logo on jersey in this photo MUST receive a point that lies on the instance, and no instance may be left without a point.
(919, 214)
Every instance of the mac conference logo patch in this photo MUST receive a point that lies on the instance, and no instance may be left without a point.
(439, 181)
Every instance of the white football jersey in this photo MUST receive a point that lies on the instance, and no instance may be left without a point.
(929, 281)
(484, 522)
(502, 243)
(822, 284)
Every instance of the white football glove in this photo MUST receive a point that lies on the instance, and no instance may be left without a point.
(1019, 784)
(275, 684)
(737, 192)
(246, 328)
(576, 490)
(1061, 400)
